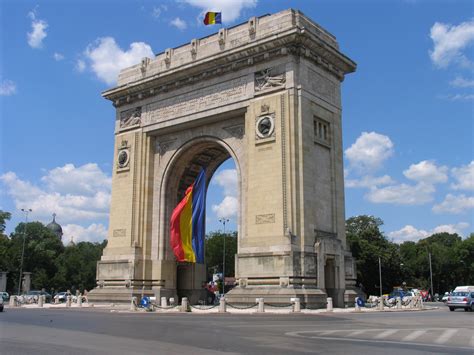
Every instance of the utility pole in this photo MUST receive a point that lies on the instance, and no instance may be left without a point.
(26, 211)
(431, 276)
(380, 276)
(223, 221)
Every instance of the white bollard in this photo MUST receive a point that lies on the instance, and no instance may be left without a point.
(171, 301)
(79, 300)
(296, 304)
(380, 304)
(356, 305)
(261, 305)
(329, 307)
(13, 301)
(184, 304)
(133, 304)
(164, 303)
(399, 303)
(222, 306)
(40, 300)
(420, 303)
(68, 301)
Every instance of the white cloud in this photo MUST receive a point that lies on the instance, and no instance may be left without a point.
(454, 204)
(458, 97)
(464, 176)
(227, 179)
(75, 194)
(80, 65)
(230, 9)
(369, 151)
(7, 88)
(93, 233)
(58, 56)
(428, 172)
(106, 58)
(228, 208)
(38, 31)
(178, 23)
(410, 233)
(402, 194)
(450, 41)
(158, 10)
(369, 181)
(460, 82)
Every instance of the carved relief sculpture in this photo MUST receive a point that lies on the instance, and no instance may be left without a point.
(265, 80)
(130, 117)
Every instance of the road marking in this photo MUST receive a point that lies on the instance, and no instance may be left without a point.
(385, 334)
(357, 332)
(447, 334)
(414, 335)
(327, 332)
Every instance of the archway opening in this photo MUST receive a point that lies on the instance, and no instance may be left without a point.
(222, 204)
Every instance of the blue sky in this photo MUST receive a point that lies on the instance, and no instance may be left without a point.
(407, 111)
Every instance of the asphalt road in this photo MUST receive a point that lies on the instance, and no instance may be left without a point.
(79, 331)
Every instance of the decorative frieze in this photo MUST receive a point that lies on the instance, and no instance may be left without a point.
(265, 218)
(267, 79)
(131, 117)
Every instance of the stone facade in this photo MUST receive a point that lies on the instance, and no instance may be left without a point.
(267, 94)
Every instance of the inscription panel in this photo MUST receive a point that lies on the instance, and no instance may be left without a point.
(265, 218)
(119, 233)
(196, 101)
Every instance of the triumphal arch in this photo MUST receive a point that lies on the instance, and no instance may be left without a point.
(268, 94)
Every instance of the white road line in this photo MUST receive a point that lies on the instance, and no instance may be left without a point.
(327, 332)
(353, 334)
(414, 335)
(447, 334)
(385, 334)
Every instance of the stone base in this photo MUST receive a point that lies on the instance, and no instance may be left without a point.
(350, 295)
(309, 297)
(117, 294)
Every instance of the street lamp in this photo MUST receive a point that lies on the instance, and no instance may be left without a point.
(223, 221)
(380, 277)
(431, 277)
(26, 211)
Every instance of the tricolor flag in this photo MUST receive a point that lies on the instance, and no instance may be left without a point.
(212, 18)
(188, 223)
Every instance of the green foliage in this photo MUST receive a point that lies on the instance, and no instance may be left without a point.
(4, 217)
(452, 258)
(214, 250)
(52, 265)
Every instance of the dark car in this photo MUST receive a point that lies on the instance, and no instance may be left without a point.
(1, 304)
(32, 296)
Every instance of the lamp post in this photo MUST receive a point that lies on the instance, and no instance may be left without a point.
(431, 276)
(26, 211)
(223, 221)
(380, 276)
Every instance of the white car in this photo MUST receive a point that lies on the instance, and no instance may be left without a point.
(445, 297)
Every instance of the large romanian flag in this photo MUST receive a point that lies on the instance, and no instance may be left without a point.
(188, 223)
(212, 18)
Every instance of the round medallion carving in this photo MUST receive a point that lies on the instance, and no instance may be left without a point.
(123, 158)
(265, 126)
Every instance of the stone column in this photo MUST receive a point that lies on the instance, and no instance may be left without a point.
(26, 282)
(3, 281)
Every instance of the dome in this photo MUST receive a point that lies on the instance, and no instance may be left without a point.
(55, 228)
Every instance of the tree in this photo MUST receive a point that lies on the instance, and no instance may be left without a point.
(214, 248)
(367, 243)
(4, 217)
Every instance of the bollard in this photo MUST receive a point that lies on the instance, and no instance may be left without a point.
(420, 303)
(356, 305)
(13, 301)
(399, 303)
(133, 303)
(184, 304)
(164, 303)
(171, 301)
(296, 304)
(68, 301)
(222, 306)
(329, 307)
(79, 300)
(261, 305)
(40, 300)
(380, 304)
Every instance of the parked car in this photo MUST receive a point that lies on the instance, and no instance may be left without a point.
(1, 304)
(5, 296)
(32, 296)
(445, 297)
(462, 297)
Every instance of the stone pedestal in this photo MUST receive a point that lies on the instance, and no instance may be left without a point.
(26, 282)
(3, 281)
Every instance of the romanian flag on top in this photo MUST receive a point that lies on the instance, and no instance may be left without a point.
(188, 223)
(212, 18)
